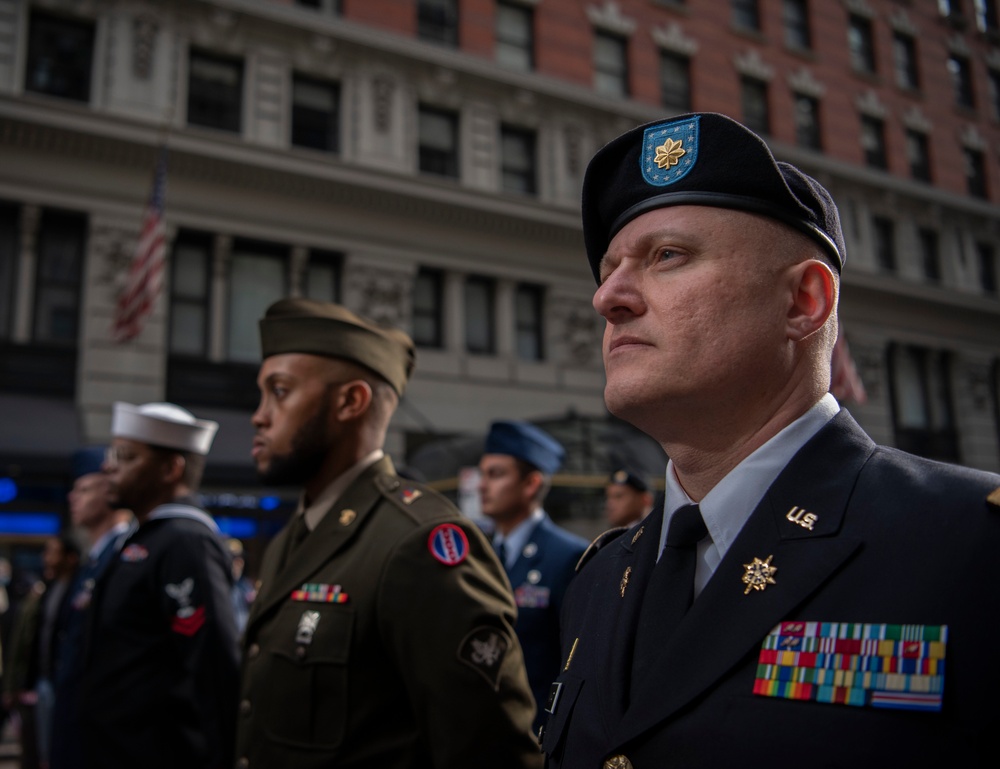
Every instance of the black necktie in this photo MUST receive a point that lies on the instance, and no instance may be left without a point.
(501, 549)
(671, 588)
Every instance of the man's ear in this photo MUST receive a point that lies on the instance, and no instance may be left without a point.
(813, 298)
(173, 468)
(353, 400)
(532, 484)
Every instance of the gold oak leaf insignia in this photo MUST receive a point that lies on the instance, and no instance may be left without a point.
(670, 153)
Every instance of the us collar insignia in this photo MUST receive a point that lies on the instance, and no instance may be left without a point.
(410, 495)
(669, 151)
(759, 574)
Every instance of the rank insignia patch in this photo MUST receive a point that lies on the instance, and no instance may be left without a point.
(669, 151)
(845, 663)
(317, 592)
(134, 553)
(531, 597)
(483, 650)
(448, 544)
(189, 623)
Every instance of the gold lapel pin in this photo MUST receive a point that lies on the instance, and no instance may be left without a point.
(635, 537)
(624, 583)
(347, 517)
(759, 574)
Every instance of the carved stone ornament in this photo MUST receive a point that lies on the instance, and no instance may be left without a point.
(578, 331)
(145, 29)
(383, 295)
(383, 89)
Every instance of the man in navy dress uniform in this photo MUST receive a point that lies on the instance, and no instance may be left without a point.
(627, 498)
(518, 462)
(805, 597)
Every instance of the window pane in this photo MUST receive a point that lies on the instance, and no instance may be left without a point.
(885, 244)
(746, 14)
(610, 67)
(987, 268)
(929, 255)
(905, 58)
(911, 406)
(861, 44)
(187, 329)
(514, 43)
(427, 310)
(675, 82)
(215, 92)
(190, 277)
(796, 17)
(528, 319)
(437, 21)
(189, 295)
(60, 256)
(479, 329)
(323, 277)
(918, 153)
(438, 151)
(256, 281)
(807, 128)
(755, 111)
(517, 152)
(975, 173)
(315, 114)
(60, 55)
(961, 77)
(873, 142)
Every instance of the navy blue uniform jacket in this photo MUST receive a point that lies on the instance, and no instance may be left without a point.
(540, 576)
(897, 539)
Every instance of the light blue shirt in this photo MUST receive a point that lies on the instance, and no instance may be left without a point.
(518, 537)
(727, 506)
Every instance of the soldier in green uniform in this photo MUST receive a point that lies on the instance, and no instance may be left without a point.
(382, 633)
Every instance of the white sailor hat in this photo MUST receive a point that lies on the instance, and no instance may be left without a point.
(163, 424)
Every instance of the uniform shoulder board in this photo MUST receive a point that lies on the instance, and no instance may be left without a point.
(609, 536)
(994, 497)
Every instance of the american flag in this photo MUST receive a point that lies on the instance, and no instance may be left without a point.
(145, 274)
(845, 382)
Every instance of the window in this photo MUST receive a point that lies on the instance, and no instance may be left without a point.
(257, 277)
(918, 153)
(517, 160)
(873, 141)
(975, 172)
(327, 6)
(755, 112)
(438, 139)
(8, 263)
(986, 16)
(746, 14)
(189, 294)
(951, 9)
(861, 43)
(610, 64)
(322, 276)
(515, 44)
(215, 92)
(60, 55)
(428, 315)
(987, 267)
(480, 324)
(61, 240)
(884, 233)
(993, 81)
(437, 21)
(528, 318)
(675, 81)
(904, 57)
(807, 127)
(961, 80)
(921, 400)
(930, 255)
(315, 114)
(795, 14)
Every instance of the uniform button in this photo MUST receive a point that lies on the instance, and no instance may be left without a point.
(254, 651)
(243, 763)
(618, 762)
(245, 707)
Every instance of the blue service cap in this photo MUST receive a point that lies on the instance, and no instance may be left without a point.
(627, 477)
(701, 159)
(526, 442)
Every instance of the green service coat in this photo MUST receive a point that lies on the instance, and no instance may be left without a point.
(386, 641)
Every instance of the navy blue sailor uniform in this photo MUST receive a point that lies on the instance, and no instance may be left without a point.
(845, 625)
(161, 663)
(540, 577)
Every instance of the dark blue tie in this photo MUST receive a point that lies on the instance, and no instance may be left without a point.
(501, 549)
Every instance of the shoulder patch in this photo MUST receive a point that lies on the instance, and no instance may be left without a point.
(448, 544)
(994, 497)
(609, 536)
(484, 650)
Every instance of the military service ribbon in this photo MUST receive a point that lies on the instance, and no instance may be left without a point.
(317, 592)
(882, 666)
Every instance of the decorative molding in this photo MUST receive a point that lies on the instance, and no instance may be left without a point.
(804, 82)
(900, 22)
(573, 137)
(915, 120)
(860, 7)
(972, 139)
(672, 38)
(977, 381)
(869, 104)
(145, 30)
(383, 92)
(609, 16)
(380, 293)
(578, 331)
(751, 64)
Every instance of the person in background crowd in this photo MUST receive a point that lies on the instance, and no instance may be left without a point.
(382, 634)
(243, 591)
(161, 661)
(104, 527)
(627, 498)
(804, 596)
(515, 473)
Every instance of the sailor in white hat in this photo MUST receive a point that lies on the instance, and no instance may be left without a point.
(161, 673)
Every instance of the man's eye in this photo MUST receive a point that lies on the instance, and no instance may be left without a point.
(666, 253)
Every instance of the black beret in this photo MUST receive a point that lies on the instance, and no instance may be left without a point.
(702, 159)
(323, 328)
(628, 478)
